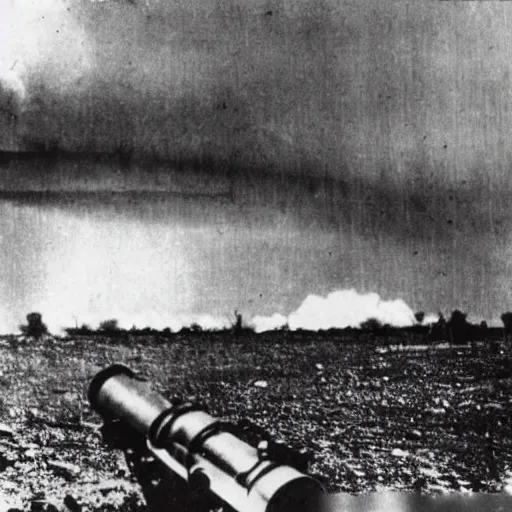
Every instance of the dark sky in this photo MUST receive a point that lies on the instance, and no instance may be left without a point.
(320, 145)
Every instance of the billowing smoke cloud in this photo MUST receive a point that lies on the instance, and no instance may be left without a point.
(41, 45)
(340, 309)
(41, 37)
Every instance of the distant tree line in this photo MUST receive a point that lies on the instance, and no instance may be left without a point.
(111, 328)
(457, 330)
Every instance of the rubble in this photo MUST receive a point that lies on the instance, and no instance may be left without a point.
(65, 469)
(397, 452)
(6, 430)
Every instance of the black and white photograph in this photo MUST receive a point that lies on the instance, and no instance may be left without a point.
(255, 256)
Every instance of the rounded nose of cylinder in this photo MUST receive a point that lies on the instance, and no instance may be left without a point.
(100, 378)
(118, 394)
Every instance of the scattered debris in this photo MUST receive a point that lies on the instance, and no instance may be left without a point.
(6, 430)
(65, 469)
(397, 452)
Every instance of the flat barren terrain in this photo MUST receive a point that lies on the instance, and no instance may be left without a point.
(371, 416)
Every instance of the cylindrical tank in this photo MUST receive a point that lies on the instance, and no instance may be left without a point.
(233, 469)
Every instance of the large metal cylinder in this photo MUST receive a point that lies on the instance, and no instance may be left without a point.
(234, 470)
(116, 393)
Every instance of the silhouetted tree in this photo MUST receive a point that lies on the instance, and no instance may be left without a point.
(506, 318)
(237, 327)
(35, 326)
(371, 324)
(419, 316)
(84, 330)
(438, 330)
(459, 327)
(110, 325)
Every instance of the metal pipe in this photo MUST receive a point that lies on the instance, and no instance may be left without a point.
(232, 468)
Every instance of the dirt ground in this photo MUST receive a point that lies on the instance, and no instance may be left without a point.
(369, 416)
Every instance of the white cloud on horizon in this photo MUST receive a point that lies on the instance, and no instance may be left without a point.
(340, 309)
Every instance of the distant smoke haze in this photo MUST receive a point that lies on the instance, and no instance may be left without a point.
(161, 248)
(339, 309)
(338, 87)
(269, 323)
(267, 151)
(44, 53)
(42, 42)
(153, 319)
